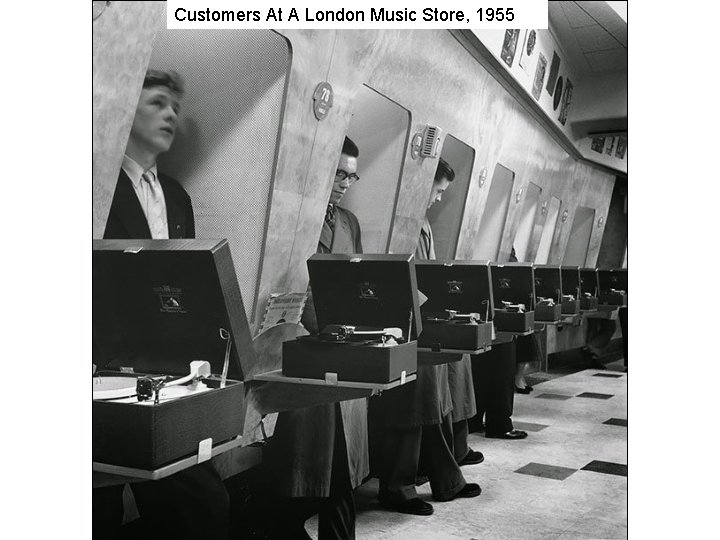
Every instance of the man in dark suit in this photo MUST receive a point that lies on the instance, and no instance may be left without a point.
(415, 422)
(148, 204)
(319, 455)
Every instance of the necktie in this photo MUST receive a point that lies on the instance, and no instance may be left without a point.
(155, 212)
(330, 216)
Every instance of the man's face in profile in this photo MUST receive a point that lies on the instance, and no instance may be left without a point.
(156, 119)
(438, 189)
(345, 176)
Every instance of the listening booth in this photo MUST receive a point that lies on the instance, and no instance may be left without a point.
(458, 313)
(513, 288)
(171, 345)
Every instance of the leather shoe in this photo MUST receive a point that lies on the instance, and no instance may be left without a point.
(415, 506)
(472, 458)
(525, 390)
(467, 492)
(513, 434)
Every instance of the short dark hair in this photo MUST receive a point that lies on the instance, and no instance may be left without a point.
(350, 148)
(444, 170)
(169, 79)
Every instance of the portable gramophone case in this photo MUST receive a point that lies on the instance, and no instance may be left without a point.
(570, 287)
(513, 283)
(613, 285)
(366, 292)
(548, 284)
(589, 288)
(451, 287)
(157, 306)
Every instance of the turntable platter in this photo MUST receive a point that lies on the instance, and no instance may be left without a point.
(113, 387)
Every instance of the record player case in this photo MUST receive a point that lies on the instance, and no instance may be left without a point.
(376, 291)
(461, 286)
(157, 306)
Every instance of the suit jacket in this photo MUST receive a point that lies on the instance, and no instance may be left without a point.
(427, 400)
(299, 455)
(127, 219)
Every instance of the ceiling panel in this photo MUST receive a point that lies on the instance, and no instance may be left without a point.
(575, 16)
(594, 38)
(613, 60)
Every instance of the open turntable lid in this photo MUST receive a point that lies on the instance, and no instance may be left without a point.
(365, 290)
(589, 281)
(159, 304)
(457, 285)
(513, 282)
(612, 278)
(548, 281)
(571, 280)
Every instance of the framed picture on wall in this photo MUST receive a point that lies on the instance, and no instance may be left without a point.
(554, 70)
(527, 53)
(566, 100)
(509, 46)
(621, 148)
(539, 76)
(597, 144)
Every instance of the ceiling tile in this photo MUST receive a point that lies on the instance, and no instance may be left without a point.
(595, 38)
(613, 60)
(576, 16)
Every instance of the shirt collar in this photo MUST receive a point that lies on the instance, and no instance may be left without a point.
(134, 171)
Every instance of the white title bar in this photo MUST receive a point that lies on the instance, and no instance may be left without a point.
(228, 14)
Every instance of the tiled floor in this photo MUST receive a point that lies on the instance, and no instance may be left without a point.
(567, 480)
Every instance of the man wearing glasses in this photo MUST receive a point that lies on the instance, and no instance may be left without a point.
(319, 455)
(341, 230)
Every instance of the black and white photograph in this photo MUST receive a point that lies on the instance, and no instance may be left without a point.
(358, 283)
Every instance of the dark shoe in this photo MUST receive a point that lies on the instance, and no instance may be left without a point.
(415, 506)
(472, 458)
(525, 390)
(514, 434)
(467, 492)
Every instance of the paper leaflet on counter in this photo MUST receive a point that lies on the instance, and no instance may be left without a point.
(283, 308)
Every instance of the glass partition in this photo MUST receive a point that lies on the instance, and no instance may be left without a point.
(380, 128)
(528, 213)
(496, 208)
(551, 222)
(446, 215)
(577, 246)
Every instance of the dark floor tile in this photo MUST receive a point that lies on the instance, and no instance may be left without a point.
(616, 422)
(546, 471)
(553, 396)
(529, 426)
(594, 395)
(606, 467)
(608, 375)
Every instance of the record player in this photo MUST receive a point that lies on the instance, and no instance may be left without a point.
(458, 312)
(548, 293)
(589, 288)
(513, 288)
(368, 316)
(570, 289)
(171, 343)
(613, 285)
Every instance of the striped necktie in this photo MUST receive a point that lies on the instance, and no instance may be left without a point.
(155, 212)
